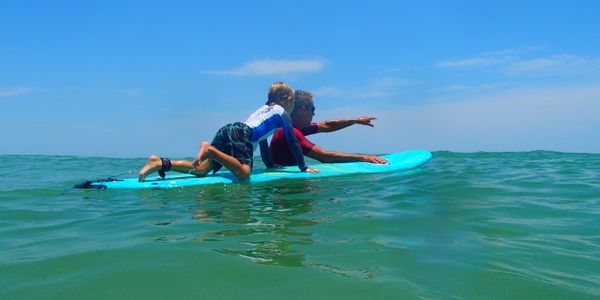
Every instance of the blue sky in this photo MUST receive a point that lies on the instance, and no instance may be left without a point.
(134, 78)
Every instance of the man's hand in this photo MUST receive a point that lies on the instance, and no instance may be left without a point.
(374, 159)
(365, 121)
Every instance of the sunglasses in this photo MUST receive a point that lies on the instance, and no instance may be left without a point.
(311, 108)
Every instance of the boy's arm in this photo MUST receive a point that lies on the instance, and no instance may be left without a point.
(333, 125)
(292, 140)
(265, 154)
(326, 156)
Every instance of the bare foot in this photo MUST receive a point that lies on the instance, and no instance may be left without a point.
(154, 163)
(203, 153)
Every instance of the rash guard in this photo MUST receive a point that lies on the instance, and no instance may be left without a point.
(279, 147)
(265, 121)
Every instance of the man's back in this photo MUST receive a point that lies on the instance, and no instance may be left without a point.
(280, 150)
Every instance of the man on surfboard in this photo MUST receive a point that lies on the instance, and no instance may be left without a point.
(233, 145)
(302, 116)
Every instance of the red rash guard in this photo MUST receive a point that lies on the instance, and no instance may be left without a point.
(280, 150)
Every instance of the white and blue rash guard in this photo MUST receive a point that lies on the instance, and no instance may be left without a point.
(264, 122)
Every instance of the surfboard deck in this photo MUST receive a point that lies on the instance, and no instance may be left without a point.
(406, 160)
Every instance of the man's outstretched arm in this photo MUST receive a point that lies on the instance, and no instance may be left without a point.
(326, 156)
(333, 125)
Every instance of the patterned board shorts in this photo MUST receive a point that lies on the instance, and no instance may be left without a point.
(234, 140)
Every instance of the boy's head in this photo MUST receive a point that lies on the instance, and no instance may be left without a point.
(280, 93)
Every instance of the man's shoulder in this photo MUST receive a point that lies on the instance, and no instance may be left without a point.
(279, 134)
(310, 129)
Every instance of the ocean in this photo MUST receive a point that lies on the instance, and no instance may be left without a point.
(520, 225)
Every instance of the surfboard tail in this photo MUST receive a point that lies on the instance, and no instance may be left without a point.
(95, 184)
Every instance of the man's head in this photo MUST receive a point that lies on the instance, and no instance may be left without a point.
(304, 109)
(282, 94)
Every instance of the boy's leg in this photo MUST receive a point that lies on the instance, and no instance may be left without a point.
(186, 166)
(207, 151)
(154, 163)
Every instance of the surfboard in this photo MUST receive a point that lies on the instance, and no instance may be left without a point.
(400, 161)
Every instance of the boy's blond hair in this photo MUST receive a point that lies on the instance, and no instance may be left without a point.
(280, 92)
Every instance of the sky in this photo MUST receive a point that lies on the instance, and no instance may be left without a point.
(135, 78)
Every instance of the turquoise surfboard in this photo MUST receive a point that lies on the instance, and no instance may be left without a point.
(399, 161)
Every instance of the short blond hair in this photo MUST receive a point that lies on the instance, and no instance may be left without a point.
(280, 92)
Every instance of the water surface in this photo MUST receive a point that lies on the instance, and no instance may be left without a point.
(478, 226)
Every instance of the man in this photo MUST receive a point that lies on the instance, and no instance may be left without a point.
(302, 120)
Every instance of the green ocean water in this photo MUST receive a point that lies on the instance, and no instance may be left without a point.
(520, 225)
